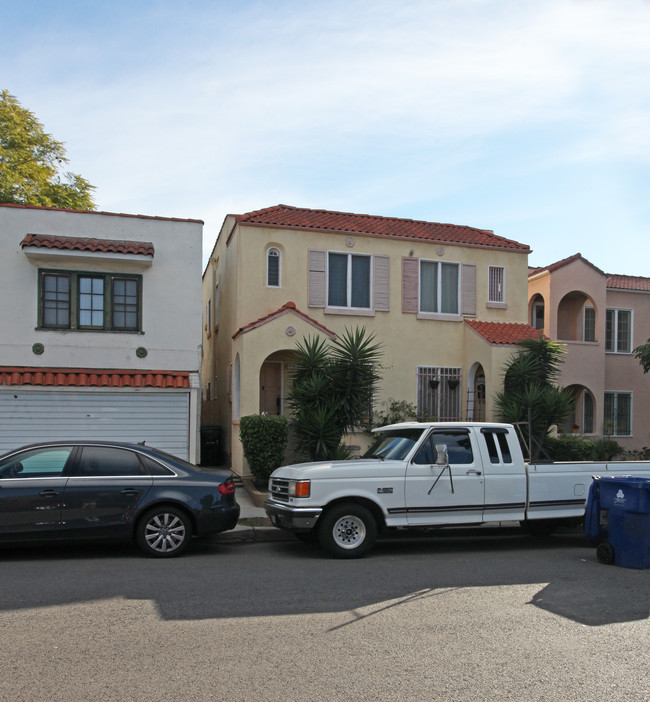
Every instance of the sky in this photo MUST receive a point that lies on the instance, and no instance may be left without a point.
(527, 117)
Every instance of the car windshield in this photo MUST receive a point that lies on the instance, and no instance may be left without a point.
(394, 444)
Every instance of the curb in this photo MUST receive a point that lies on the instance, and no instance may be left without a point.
(246, 534)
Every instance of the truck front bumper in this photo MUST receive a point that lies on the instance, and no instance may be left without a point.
(292, 518)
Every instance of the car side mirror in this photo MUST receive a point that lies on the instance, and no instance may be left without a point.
(442, 456)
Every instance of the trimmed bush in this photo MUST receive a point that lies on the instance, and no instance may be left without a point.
(264, 439)
(568, 448)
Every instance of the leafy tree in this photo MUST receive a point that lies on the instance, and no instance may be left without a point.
(530, 392)
(31, 160)
(643, 355)
(333, 385)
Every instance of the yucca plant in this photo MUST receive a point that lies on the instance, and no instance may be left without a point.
(332, 387)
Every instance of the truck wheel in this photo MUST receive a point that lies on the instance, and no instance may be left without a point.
(347, 531)
(605, 553)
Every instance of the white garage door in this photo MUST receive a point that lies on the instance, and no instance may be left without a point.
(159, 418)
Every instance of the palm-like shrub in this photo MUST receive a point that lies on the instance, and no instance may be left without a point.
(333, 385)
(530, 395)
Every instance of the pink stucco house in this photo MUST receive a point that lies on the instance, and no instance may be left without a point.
(601, 318)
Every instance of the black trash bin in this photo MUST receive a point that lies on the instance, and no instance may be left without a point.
(211, 454)
(618, 515)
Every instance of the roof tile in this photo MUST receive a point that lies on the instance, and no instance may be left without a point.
(628, 282)
(93, 377)
(390, 227)
(286, 308)
(503, 332)
(73, 243)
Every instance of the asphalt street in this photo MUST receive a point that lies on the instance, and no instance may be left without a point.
(499, 616)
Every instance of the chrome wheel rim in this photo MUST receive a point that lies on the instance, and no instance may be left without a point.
(349, 532)
(164, 532)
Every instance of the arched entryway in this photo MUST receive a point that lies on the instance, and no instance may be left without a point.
(476, 394)
(583, 418)
(274, 382)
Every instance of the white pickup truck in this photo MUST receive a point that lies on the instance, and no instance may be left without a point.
(423, 475)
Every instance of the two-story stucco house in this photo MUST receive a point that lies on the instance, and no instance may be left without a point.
(601, 318)
(447, 303)
(100, 328)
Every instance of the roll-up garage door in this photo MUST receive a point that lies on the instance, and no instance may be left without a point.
(159, 418)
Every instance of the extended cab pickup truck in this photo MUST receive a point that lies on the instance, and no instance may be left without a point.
(422, 475)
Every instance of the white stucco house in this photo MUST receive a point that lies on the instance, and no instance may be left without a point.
(100, 331)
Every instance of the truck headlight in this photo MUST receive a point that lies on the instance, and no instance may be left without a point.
(299, 488)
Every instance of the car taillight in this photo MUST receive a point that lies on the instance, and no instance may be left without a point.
(227, 488)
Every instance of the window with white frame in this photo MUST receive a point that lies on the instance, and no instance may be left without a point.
(439, 393)
(273, 268)
(496, 284)
(537, 313)
(348, 280)
(439, 287)
(618, 413)
(589, 324)
(618, 331)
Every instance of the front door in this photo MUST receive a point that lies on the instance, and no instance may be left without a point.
(453, 494)
(31, 491)
(271, 388)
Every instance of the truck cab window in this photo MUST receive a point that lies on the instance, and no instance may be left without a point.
(459, 448)
(491, 447)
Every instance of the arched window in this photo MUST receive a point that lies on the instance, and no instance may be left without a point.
(273, 259)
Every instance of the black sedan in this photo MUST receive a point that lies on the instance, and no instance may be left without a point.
(92, 490)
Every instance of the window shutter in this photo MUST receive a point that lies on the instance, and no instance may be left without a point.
(410, 274)
(316, 282)
(381, 283)
(469, 289)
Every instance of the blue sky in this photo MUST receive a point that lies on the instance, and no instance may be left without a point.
(527, 117)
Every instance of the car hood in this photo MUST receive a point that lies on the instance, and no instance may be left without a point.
(331, 470)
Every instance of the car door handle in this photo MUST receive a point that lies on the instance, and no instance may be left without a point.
(473, 472)
(48, 493)
(130, 491)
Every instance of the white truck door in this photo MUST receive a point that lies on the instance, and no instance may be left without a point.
(453, 494)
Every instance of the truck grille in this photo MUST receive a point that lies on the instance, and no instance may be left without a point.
(280, 489)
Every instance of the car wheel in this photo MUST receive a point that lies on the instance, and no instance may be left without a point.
(347, 531)
(164, 532)
(605, 553)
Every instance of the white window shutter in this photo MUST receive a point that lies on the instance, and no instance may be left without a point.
(316, 283)
(468, 284)
(410, 281)
(381, 283)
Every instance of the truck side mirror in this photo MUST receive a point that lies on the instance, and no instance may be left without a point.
(442, 456)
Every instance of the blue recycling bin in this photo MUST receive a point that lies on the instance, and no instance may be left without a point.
(618, 515)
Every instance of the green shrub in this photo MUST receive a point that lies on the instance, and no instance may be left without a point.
(264, 439)
(567, 448)
(394, 411)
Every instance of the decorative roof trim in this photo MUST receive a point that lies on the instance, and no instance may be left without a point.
(98, 212)
(73, 243)
(503, 333)
(288, 308)
(93, 377)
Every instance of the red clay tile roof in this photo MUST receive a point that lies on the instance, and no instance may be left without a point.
(73, 243)
(289, 307)
(286, 217)
(98, 212)
(562, 263)
(503, 332)
(628, 282)
(93, 377)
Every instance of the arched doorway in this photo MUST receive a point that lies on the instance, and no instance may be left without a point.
(476, 394)
(274, 382)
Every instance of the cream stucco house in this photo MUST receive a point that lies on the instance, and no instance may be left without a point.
(601, 318)
(447, 302)
(100, 328)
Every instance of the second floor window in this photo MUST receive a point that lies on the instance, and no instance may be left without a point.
(618, 332)
(70, 300)
(348, 280)
(439, 287)
(589, 332)
(273, 268)
(496, 282)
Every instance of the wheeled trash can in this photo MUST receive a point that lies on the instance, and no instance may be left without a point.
(618, 516)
